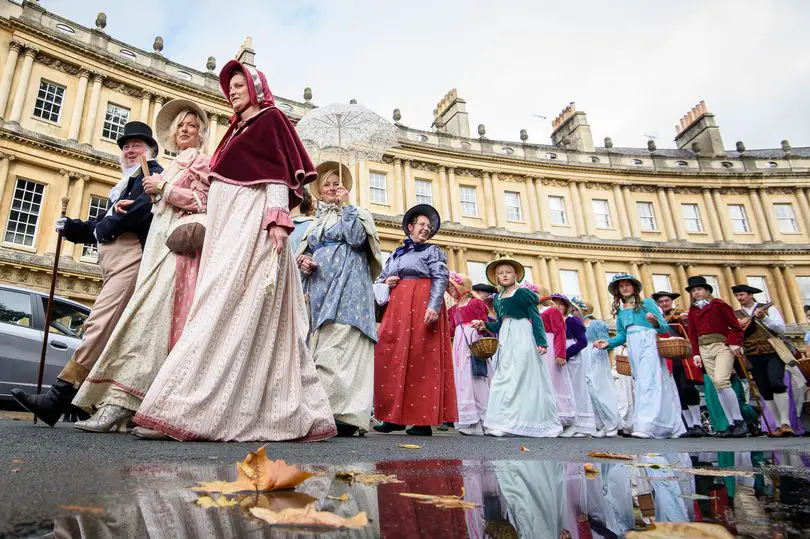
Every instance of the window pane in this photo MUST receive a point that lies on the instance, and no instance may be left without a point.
(513, 210)
(601, 212)
(557, 207)
(98, 206)
(529, 278)
(378, 187)
(711, 280)
(739, 220)
(424, 192)
(15, 308)
(691, 217)
(787, 221)
(661, 283)
(469, 203)
(49, 101)
(758, 281)
(22, 221)
(804, 288)
(66, 319)
(477, 272)
(114, 121)
(569, 280)
(646, 215)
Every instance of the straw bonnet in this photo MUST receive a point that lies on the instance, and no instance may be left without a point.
(520, 271)
(169, 112)
(614, 282)
(322, 170)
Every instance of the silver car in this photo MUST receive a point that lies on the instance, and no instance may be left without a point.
(22, 323)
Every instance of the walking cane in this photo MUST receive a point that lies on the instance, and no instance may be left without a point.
(754, 388)
(49, 310)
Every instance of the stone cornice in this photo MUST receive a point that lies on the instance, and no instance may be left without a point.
(69, 149)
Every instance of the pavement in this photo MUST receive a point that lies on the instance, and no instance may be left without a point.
(45, 469)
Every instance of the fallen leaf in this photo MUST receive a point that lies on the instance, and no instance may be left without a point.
(258, 473)
(717, 472)
(410, 446)
(17, 461)
(14, 470)
(367, 478)
(442, 502)
(617, 456)
(308, 516)
(342, 498)
(275, 501)
(206, 502)
(696, 530)
(92, 509)
(524, 449)
(591, 471)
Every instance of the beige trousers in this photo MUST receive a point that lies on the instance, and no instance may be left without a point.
(719, 363)
(118, 261)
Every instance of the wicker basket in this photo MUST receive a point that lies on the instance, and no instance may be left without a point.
(484, 348)
(804, 366)
(674, 348)
(647, 505)
(623, 364)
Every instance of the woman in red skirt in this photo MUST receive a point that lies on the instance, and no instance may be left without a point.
(413, 363)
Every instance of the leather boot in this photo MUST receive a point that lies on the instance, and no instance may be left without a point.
(50, 406)
(388, 427)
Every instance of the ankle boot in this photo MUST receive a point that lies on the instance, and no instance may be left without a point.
(388, 427)
(50, 406)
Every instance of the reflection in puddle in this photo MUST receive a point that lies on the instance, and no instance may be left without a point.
(755, 494)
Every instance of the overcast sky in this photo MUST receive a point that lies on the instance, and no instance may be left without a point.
(635, 66)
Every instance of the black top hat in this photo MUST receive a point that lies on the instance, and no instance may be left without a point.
(745, 288)
(670, 295)
(698, 281)
(483, 287)
(138, 131)
(422, 209)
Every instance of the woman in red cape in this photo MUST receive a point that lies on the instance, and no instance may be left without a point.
(241, 370)
(413, 362)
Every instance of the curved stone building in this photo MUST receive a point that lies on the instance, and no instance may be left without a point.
(572, 212)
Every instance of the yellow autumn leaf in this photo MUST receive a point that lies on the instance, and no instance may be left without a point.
(206, 502)
(92, 509)
(442, 501)
(342, 498)
(410, 446)
(600, 455)
(692, 530)
(591, 471)
(309, 516)
(366, 478)
(258, 473)
(524, 449)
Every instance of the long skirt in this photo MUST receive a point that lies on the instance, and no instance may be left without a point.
(344, 359)
(413, 363)
(599, 378)
(578, 366)
(534, 494)
(472, 392)
(624, 398)
(657, 411)
(521, 401)
(619, 516)
(576, 504)
(561, 384)
(793, 413)
(241, 371)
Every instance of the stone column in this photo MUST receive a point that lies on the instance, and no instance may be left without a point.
(680, 231)
(398, 196)
(711, 215)
(782, 292)
(621, 211)
(593, 294)
(795, 295)
(545, 278)
(92, 110)
(554, 274)
(8, 74)
(630, 212)
(146, 99)
(738, 274)
(213, 125)
(682, 278)
(601, 286)
(410, 186)
(78, 106)
(545, 218)
(22, 85)
(667, 211)
(443, 193)
(5, 162)
(76, 194)
(453, 194)
(489, 200)
(577, 209)
(759, 215)
(722, 217)
(461, 254)
(534, 208)
(159, 100)
(728, 276)
(361, 185)
(770, 216)
(804, 210)
(498, 201)
(587, 209)
(646, 278)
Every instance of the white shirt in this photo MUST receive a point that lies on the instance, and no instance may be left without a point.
(773, 318)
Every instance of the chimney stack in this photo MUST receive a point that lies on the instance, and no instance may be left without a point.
(571, 130)
(246, 54)
(450, 116)
(698, 126)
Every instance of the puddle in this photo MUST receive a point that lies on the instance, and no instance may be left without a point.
(753, 494)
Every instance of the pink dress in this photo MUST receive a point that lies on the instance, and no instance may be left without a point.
(472, 392)
(554, 323)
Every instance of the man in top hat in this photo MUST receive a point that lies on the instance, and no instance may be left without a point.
(120, 234)
(716, 338)
(687, 392)
(763, 322)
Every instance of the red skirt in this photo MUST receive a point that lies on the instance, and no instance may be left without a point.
(413, 361)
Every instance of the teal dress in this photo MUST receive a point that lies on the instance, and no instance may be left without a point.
(521, 398)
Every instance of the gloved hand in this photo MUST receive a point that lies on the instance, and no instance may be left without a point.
(60, 224)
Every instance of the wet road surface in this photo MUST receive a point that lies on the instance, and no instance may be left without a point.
(63, 483)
